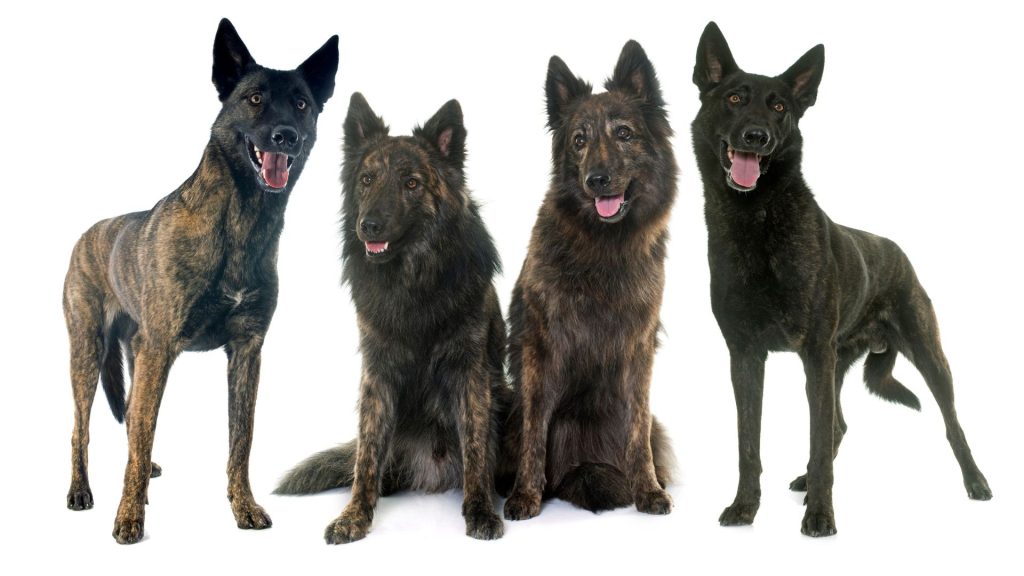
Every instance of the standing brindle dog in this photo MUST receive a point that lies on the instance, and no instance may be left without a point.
(196, 272)
(785, 277)
(584, 312)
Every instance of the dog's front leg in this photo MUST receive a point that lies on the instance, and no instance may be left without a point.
(243, 381)
(538, 403)
(376, 424)
(747, 367)
(648, 494)
(820, 369)
(152, 364)
(478, 455)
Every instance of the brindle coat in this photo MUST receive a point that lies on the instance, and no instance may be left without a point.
(198, 271)
(785, 277)
(584, 312)
(420, 264)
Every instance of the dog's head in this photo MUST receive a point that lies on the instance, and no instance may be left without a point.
(610, 149)
(267, 124)
(398, 189)
(749, 122)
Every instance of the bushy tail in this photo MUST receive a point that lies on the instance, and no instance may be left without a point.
(661, 449)
(112, 377)
(595, 487)
(879, 380)
(325, 470)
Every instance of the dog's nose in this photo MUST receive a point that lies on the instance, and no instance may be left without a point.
(285, 136)
(756, 137)
(598, 180)
(370, 227)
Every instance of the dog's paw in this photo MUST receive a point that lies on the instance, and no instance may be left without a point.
(80, 499)
(251, 516)
(128, 531)
(522, 506)
(977, 489)
(347, 528)
(484, 526)
(818, 523)
(799, 484)
(155, 470)
(654, 502)
(739, 514)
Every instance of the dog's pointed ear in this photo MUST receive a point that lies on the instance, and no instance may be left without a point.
(231, 59)
(805, 76)
(319, 71)
(562, 88)
(714, 59)
(361, 125)
(634, 74)
(446, 132)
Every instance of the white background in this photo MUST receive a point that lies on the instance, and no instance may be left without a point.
(916, 135)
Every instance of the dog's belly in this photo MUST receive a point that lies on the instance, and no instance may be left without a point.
(220, 315)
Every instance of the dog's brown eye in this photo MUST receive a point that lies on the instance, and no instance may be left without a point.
(300, 104)
(623, 133)
(779, 107)
(734, 99)
(579, 140)
(256, 99)
(412, 184)
(366, 179)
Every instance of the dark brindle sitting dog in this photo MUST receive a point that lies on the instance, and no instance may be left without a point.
(420, 263)
(785, 277)
(584, 313)
(198, 271)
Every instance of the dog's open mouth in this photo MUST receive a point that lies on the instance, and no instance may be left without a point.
(272, 167)
(612, 208)
(376, 248)
(744, 168)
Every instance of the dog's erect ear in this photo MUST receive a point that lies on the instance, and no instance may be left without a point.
(361, 124)
(319, 71)
(231, 59)
(634, 74)
(562, 88)
(804, 76)
(446, 132)
(714, 59)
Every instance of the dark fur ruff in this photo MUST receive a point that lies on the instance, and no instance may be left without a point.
(784, 277)
(431, 331)
(584, 314)
(196, 272)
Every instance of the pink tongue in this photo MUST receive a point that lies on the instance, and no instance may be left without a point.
(608, 206)
(745, 169)
(275, 169)
(372, 247)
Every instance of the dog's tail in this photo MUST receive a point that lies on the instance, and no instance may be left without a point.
(112, 376)
(596, 487)
(880, 382)
(334, 468)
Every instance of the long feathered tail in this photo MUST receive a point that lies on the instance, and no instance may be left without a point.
(334, 468)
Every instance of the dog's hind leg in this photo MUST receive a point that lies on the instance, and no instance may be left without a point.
(152, 364)
(84, 322)
(243, 381)
(846, 359)
(747, 369)
(922, 346)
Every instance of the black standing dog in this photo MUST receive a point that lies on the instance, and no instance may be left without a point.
(785, 277)
(196, 272)
(420, 264)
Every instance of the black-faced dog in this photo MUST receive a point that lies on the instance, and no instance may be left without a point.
(785, 277)
(420, 264)
(196, 272)
(584, 314)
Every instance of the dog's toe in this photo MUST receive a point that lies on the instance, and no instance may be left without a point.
(155, 470)
(484, 526)
(80, 499)
(346, 529)
(977, 489)
(739, 514)
(128, 531)
(818, 523)
(522, 506)
(252, 516)
(654, 502)
(799, 484)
